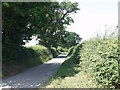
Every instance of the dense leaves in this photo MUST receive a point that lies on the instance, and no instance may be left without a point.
(16, 17)
(22, 20)
(52, 30)
(101, 56)
(24, 58)
(46, 20)
(70, 39)
(54, 52)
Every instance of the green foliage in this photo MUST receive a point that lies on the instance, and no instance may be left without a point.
(22, 20)
(43, 53)
(68, 68)
(74, 55)
(70, 50)
(61, 49)
(102, 57)
(54, 52)
(70, 39)
(25, 58)
(15, 20)
(98, 58)
(56, 16)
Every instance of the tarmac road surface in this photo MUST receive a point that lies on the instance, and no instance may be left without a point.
(36, 76)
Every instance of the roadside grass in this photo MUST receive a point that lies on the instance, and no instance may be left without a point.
(80, 80)
(71, 74)
(91, 64)
(71, 77)
(63, 72)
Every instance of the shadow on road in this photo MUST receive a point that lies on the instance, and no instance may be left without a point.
(35, 76)
(63, 55)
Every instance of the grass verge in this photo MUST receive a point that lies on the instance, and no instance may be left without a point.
(71, 74)
(92, 64)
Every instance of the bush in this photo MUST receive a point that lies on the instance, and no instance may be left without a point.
(102, 57)
(68, 68)
(61, 49)
(73, 56)
(21, 58)
(71, 51)
(54, 52)
(42, 52)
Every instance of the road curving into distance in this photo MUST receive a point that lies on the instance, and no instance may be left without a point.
(36, 76)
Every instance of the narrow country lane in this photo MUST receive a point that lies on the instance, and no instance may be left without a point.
(35, 76)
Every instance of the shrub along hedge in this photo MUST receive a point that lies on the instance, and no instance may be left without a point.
(98, 57)
(70, 51)
(22, 58)
(74, 54)
(54, 52)
(61, 49)
(72, 60)
(67, 68)
(102, 57)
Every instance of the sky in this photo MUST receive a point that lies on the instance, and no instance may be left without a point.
(92, 18)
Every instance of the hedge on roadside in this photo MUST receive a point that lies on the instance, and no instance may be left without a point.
(70, 50)
(61, 49)
(73, 56)
(22, 58)
(102, 57)
(54, 52)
